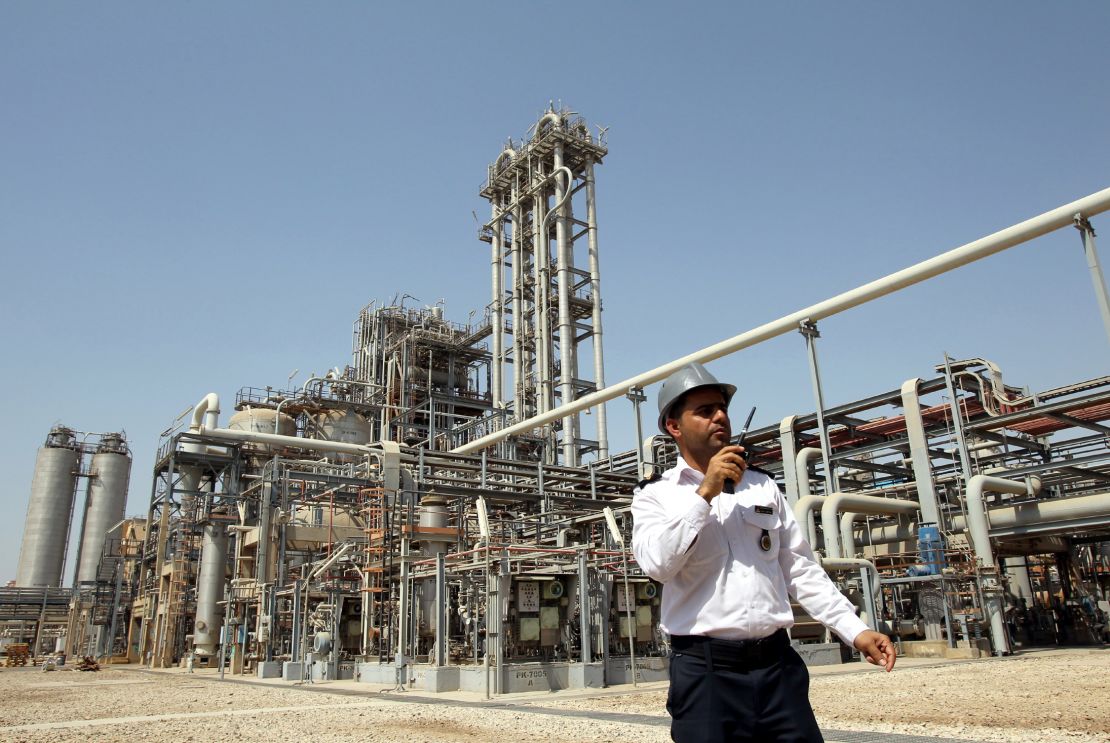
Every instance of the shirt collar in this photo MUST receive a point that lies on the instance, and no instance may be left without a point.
(685, 473)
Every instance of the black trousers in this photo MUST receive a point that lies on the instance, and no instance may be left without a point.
(734, 694)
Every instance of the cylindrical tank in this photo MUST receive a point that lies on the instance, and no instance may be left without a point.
(433, 514)
(261, 420)
(105, 503)
(46, 529)
(210, 590)
(346, 426)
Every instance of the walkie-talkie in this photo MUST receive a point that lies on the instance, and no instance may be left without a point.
(730, 486)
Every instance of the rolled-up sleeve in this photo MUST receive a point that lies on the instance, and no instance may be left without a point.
(665, 522)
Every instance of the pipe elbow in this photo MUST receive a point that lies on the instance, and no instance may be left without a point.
(549, 119)
(508, 152)
(806, 504)
(208, 407)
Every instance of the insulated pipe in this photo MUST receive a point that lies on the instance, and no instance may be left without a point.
(869, 574)
(861, 504)
(496, 274)
(976, 514)
(257, 437)
(1016, 518)
(919, 452)
(803, 514)
(520, 369)
(847, 539)
(801, 468)
(595, 319)
(508, 152)
(541, 258)
(789, 453)
(206, 414)
(981, 541)
(549, 118)
(566, 328)
(984, 247)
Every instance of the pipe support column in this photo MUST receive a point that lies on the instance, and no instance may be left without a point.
(788, 447)
(1088, 233)
(919, 453)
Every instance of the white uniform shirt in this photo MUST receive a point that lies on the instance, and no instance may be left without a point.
(717, 581)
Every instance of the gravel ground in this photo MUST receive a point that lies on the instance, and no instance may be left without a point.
(1048, 696)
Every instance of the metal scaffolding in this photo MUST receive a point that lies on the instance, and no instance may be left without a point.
(546, 286)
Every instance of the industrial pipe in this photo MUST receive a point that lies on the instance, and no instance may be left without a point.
(1022, 518)
(919, 452)
(206, 414)
(803, 514)
(549, 118)
(257, 437)
(801, 468)
(981, 542)
(984, 247)
(595, 316)
(847, 540)
(869, 576)
(976, 514)
(860, 504)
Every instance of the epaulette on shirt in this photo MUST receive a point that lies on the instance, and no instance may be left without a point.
(657, 476)
(753, 468)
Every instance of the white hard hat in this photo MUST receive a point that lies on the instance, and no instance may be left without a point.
(690, 377)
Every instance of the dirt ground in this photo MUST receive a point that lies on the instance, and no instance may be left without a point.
(1044, 696)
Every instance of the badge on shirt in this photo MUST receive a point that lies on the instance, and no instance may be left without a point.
(766, 510)
(765, 541)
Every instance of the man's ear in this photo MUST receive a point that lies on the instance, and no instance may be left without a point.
(672, 428)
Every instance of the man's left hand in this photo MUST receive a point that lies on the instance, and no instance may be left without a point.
(877, 648)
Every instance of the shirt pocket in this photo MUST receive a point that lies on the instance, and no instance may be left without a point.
(755, 524)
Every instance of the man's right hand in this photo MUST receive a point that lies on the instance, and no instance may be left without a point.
(727, 464)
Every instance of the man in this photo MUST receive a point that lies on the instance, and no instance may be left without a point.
(726, 547)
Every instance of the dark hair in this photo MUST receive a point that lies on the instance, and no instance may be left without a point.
(679, 404)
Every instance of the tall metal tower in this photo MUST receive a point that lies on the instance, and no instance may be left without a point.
(546, 296)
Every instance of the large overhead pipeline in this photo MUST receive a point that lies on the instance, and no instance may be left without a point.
(1063, 216)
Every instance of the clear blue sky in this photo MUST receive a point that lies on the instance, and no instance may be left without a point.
(200, 196)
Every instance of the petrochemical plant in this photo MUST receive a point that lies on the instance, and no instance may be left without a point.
(440, 513)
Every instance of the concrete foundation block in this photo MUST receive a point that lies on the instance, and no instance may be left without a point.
(271, 669)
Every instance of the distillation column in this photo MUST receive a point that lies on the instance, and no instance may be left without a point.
(554, 303)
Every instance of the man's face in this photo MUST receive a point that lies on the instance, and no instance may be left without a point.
(703, 427)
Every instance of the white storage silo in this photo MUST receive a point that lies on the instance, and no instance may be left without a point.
(106, 501)
(46, 529)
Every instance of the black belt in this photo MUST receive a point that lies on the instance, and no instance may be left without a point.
(734, 654)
